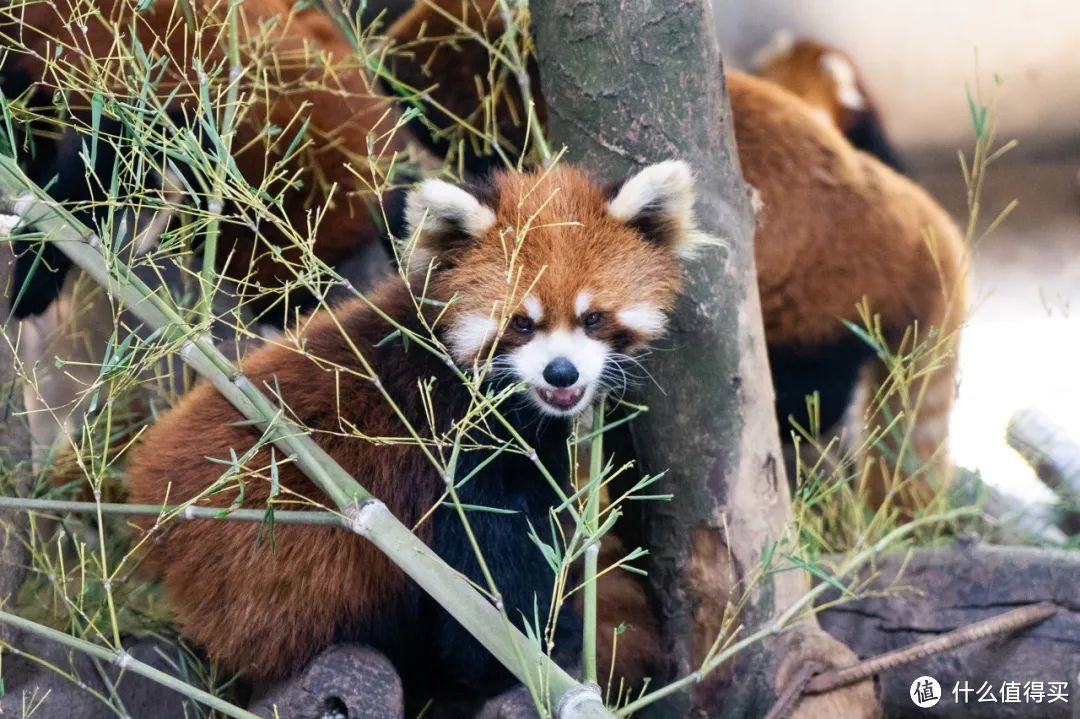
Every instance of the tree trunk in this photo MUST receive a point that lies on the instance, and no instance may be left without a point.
(628, 84)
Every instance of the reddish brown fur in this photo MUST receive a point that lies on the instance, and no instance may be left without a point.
(264, 612)
(261, 612)
(307, 61)
(815, 189)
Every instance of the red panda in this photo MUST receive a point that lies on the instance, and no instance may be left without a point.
(311, 93)
(836, 229)
(836, 226)
(827, 79)
(560, 282)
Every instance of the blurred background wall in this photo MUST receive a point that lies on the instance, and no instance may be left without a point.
(917, 56)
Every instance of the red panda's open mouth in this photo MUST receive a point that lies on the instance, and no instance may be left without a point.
(563, 398)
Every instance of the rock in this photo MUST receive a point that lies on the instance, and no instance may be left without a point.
(27, 683)
(347, 681)
(514, 703)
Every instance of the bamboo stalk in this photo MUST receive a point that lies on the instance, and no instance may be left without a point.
(125, 661)
(592, 552)
(571, 699)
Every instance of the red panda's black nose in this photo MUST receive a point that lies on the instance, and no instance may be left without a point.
(560, 372)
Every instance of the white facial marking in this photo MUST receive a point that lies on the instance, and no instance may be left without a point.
(533, 308)
(839, 68)
(586, 354)
(644, 319)
(582, 302)
(469, 333)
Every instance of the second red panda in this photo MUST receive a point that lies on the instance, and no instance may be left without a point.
(566, 281)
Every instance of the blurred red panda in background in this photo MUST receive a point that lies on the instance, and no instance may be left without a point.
(827, 79)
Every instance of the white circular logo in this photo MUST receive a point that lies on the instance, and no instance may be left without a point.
(925, 692)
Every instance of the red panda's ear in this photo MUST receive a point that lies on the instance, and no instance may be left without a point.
(845, 80)
(442, 219)
(658, 202)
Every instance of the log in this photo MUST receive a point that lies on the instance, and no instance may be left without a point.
(933, 591)
(627, 84)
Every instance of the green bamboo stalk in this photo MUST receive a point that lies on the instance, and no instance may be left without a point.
(365, 515)
(125, 661)
(518, 64)
(592, 552)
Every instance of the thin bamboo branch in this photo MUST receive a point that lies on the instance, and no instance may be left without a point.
(125, 661)
(366, 515)
(171, 512)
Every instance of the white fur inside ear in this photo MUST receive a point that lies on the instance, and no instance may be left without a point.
(436, 206)
(778, 46)
(666, 188)
(842, 72)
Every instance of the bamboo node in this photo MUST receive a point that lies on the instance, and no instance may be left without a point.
(577, 699)
(358, 516)
(122, 659)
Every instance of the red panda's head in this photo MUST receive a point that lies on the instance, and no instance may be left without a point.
(823, 76)
(553, 278)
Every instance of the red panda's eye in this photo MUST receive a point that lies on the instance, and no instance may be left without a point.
(593, 319)
(522, 324)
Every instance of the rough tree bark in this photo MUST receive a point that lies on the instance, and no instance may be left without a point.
(628, 84)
